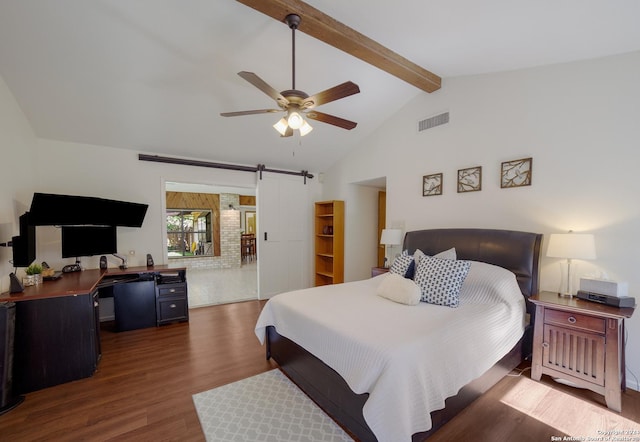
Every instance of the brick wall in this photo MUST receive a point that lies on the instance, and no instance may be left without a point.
(229, 240)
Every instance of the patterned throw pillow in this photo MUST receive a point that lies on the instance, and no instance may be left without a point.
(440, 280)
(411, 270)
(401, 264)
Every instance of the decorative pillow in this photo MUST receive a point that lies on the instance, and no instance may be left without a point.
(401, 264)
(417, 255)
(440, 280)
(410, 269)
(399, 289)
(447, 254)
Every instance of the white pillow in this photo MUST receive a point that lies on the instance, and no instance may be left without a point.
(447, 254)
(399, 289)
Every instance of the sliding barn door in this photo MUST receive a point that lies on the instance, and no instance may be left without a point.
(284, 220)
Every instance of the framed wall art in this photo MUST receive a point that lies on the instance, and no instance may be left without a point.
(432, 184)
(470, 179)
(516, 173)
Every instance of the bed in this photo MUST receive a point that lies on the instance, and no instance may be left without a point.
(372, 372)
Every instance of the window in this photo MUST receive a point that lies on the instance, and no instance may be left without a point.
(189, 233)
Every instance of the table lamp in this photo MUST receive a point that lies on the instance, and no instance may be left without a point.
(571, 246)
(390, 237)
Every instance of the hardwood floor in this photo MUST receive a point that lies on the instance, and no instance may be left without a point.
(518, 408)
(144, 383)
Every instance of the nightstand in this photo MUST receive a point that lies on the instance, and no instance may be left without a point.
(375, 271)
(582, 342)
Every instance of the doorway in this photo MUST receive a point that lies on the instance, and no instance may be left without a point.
(203, 227)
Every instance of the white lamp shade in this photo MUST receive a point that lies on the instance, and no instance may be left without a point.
(391, 237)
(571, 245)
(295, 120)
(281, 126)
(305, 129)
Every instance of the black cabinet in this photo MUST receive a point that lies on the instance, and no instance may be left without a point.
(135, 304)
(56, 340)
(9, 398)
(171, 303)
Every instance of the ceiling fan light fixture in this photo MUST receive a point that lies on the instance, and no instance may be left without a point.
(305, 129)
(295, 120)
(281, 126)
(296, 102)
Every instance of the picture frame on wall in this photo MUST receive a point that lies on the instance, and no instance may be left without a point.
(432, 184)
(470, 179)
(516, 173)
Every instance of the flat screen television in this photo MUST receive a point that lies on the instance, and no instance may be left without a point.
(88, 241)
(58, 210)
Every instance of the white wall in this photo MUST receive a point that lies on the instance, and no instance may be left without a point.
(107, 172)
(113, 173)
(32, 164)
(360, 228)
(17, 144)
(581, 124)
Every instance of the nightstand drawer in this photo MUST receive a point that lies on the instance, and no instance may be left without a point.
(574, 320)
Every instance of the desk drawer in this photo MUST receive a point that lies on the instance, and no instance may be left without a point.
(172, 289)
(172, 309)
(574, 320)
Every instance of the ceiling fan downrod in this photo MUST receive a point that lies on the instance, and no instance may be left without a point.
(293, 21)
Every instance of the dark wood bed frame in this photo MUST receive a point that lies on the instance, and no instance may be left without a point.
(518, 252)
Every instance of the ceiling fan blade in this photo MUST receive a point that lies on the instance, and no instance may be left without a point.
(249, 112)
(335, 93)
(264, 87)
(331, 119)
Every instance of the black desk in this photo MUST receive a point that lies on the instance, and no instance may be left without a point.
(57, 330)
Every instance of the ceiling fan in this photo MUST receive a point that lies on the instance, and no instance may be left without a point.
(297, 103)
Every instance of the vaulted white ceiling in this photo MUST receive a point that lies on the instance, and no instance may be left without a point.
(154, 75)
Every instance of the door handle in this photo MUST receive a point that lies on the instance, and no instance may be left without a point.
(265, 236)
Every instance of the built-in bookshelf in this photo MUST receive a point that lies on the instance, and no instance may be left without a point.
(329, 242)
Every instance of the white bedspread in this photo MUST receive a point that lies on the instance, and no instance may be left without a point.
(408, 358)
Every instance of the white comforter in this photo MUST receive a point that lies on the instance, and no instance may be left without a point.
(408, 358)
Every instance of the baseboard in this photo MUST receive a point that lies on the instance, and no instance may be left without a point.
(632, 384)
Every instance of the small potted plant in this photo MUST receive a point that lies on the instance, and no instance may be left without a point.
(34, 275)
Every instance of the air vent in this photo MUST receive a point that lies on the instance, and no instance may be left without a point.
(437, 120)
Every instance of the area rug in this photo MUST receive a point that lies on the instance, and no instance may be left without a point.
(266, 407)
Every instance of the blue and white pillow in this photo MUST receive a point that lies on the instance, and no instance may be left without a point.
(401, 264)
(405, 264)
(440, 280)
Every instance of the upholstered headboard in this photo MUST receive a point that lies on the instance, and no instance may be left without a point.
(518, 252)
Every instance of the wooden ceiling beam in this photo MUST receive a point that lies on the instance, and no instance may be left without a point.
(325, 28)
